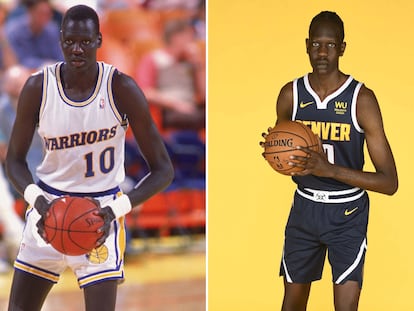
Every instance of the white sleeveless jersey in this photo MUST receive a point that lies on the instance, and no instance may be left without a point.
(83, 140)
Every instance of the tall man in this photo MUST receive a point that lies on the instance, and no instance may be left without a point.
(80, 108)
(330, 208)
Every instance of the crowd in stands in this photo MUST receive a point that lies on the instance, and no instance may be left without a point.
(161, 44)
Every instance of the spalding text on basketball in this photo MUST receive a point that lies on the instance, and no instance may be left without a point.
(287, 142)
(91, 221)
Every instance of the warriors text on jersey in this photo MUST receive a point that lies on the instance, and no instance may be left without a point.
(83, 140)
(334, 121)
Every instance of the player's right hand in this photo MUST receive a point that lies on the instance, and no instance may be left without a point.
(264, 135)
(42, 205)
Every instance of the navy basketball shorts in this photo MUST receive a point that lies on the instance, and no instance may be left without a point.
(315, 228)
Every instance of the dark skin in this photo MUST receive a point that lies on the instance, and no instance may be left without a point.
(79, 42)
(325, 47)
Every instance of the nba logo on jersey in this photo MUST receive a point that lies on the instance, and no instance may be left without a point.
(102, 103)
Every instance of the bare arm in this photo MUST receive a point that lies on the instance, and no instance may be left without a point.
(22, 133)
(131, 101)
(384, 179)
(284, 104)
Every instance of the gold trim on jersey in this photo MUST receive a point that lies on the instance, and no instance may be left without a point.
(33, 270)
(121, 119)
(117, 274)
(44, 93)
(79, 103)
(121, 241)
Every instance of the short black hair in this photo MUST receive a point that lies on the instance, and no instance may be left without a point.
(80, 13)
(328, 16)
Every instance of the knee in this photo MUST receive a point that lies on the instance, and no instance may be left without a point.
(296, 297)
(346, 296)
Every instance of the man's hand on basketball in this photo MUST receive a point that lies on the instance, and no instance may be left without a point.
(108, 216)
(264, 135)
(42, 206)
(315, 163)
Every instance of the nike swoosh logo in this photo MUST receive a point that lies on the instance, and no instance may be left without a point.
(347, 213)
(303, 105)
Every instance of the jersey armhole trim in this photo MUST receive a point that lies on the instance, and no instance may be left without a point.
(354, 108)
(121, 118)
(44, 92)
(295, 99)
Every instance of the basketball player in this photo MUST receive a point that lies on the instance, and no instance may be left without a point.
(330, 207)
(80, 108)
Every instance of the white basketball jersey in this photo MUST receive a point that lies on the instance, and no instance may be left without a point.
(83, 140)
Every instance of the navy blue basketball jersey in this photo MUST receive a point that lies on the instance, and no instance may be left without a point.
(334, 121)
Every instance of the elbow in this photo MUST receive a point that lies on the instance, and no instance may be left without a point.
(163, 172)
(169, 175)
(392, 188)
(164, 176)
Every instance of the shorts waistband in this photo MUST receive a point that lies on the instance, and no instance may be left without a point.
(58, 192)
(339, 196)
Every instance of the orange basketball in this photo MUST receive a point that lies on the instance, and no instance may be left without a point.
(71, 226)
(281, 143)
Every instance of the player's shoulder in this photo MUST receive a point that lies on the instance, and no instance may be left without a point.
(288, 86)
(286, 90)
(126, 91)
(366, 94)
(354, 82)
(35, 80)
(121, 80)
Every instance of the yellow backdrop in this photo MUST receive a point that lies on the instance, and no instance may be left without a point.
(254, 48)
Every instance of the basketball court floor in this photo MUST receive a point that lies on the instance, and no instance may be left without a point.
(165, 278)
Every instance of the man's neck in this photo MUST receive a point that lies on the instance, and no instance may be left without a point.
(324, 85)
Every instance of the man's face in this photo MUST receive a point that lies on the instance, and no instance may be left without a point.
(324, 47)
(79, 41)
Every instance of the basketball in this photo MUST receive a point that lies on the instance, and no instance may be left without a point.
(281, 143)
(71, 226)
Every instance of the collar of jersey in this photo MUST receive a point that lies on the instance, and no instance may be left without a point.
(78, 103)
(324, 104)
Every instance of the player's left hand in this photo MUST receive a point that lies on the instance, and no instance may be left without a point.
(108, 216)
(313, 162)
(42, 205)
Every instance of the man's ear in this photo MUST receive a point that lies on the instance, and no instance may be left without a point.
(343, 46)
(99, 40)
(307, 45)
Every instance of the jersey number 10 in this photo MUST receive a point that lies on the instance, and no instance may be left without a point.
(106, 162)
